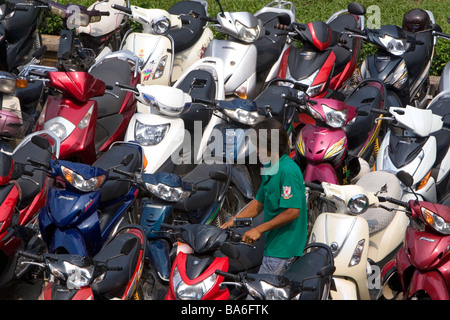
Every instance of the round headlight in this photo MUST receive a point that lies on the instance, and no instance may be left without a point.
(161, 25)
(358, 204)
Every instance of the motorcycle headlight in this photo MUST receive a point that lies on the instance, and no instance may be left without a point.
(7, 85)
(398, 77)
(394, 46)
(161, 25)
(334, 118)
(166, 192)
(358, 204)
(184, 291)
(316, 115)
(243, 116)
(74, 276)
(247, 34)
(315, 90)
(59, 130)
(363, 72)
(80, 183)
(150, 135)
(275, 293)
(435, 221)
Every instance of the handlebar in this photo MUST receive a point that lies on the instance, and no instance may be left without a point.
(122, 8)
(30, 255)
(38, 163)
(314, 186)
(394, 201)
(227, 275)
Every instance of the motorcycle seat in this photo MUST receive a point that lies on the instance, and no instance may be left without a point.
(4, 191)
(440, 107)
(307, 266)
(417, 60)
(365, 98)
(269, 48)
(198, 112)
(203, 198)
(189, 34)
(272, 97)
(343, 56)
(113, 189)
(374, 181)
(111, 71)
(115, 282)
(31, 185)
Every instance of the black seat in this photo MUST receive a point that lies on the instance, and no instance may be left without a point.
(202, 199)
(111, 71)
(189, 34)
(343, 56)
(198, 112)
(269, 48)
(442, 136)
(417, 60)
(364, 99)
(31, 185)
(115, 282)
(307, 266)
(272, 97)
(114, 189)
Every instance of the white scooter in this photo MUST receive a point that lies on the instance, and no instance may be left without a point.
(240, 66)
(361, 234)
(409, 145)
(170, 40)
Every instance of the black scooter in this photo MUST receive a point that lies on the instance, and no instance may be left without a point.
(19, 34)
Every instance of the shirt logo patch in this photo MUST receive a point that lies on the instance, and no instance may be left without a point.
(286, 192)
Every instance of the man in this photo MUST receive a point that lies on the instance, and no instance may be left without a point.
(282, 198)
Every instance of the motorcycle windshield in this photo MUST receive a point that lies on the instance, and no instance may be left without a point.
(203, 238)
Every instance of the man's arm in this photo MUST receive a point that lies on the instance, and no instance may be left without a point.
(280, 220)
(252, 210)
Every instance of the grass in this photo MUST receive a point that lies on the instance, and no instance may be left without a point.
(391, 12)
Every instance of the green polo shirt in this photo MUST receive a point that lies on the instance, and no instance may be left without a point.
(282, 187)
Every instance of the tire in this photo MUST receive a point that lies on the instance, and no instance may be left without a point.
(151, 287)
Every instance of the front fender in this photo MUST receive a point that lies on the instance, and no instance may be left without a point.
(158, 253)
(242, 180)
(69, 239)
(322, 172)
(432, 282)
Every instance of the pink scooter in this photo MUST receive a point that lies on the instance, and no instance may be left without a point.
(328, 150)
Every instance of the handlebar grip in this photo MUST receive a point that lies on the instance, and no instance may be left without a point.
(208, 19)
(380, 111)
(185, 20)
(235, 237)
(394, 201)
(122, 8)
(314, 186)
(109, 87)
(203, 189)
(354, 30)
(127, 87)
(38, 163)
(227, 275)
(125, 173)
(105, 13)
(31, 255)
(282, 27)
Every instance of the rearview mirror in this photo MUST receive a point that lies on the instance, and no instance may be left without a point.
(219, 176)
(356, 8)
(41, 142)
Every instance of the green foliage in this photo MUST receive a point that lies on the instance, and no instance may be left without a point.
(309, 10)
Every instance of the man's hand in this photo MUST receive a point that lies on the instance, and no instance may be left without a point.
(251, 236)
(227, 224)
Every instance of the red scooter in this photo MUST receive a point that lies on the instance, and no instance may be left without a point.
(327, 58)
(421, 268)
(23, 192)
(82, 114)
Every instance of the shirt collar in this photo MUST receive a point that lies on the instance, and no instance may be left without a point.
(271, 170)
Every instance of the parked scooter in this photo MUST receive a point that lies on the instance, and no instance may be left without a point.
(410, 146)
(82, 114)
(170, 40)
(403, 59)
(307, 278)
(345, 132)
(327, 58)
(19, 33)
(205, 195)
(23, 193)
(193, 275)
(362, 234)
(79, 53)
(90, 203)
(420, 269)
(114, 273)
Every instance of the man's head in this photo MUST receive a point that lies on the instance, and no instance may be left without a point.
(272, 140)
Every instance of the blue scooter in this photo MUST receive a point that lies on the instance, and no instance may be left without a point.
(90, 203)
